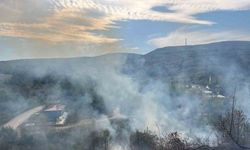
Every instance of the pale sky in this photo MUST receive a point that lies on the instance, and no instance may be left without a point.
(75, 28)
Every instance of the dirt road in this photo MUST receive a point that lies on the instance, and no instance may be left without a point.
(86, 122)
(20, 119)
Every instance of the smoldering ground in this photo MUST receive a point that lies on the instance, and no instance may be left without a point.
(95, 91)
(102, 87)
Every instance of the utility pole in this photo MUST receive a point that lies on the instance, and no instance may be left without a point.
(186, 42)
(232, 113)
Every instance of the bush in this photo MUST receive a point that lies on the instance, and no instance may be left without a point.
(143, 140)
(8, 138)
(234, 129)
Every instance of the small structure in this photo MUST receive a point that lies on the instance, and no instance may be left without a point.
(56, 113)
(61, 120)
(207, 92)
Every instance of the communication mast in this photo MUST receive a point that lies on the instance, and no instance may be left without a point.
(186, 42)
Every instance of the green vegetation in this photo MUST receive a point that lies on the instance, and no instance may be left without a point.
(229, 137)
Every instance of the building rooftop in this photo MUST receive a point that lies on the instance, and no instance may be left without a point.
(55, 107)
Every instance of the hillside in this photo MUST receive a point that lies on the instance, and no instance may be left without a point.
(160, 62)
(168, 84)
(218, 57)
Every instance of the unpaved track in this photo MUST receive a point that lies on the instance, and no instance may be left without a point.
(84, 122)
(20, 119)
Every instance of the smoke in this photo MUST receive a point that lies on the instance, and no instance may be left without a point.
(96, 89)
(147, 106)
(105, 90)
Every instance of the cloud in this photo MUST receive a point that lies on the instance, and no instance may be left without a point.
(128, 10)
(197, 37)
(193, 7)
(182, 11)
(63, 26)
(82, 20)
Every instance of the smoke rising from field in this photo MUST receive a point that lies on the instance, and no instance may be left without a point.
(105, 86)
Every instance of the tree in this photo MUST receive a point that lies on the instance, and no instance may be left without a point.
(143, 140)
(100, 140)
(8, 138)
(236, 131)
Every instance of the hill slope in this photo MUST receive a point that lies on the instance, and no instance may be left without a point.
(188, 61)
(192, 59)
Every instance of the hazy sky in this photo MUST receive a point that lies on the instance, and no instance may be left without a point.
(73, 28)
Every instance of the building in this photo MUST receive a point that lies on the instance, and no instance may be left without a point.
(54, 112)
